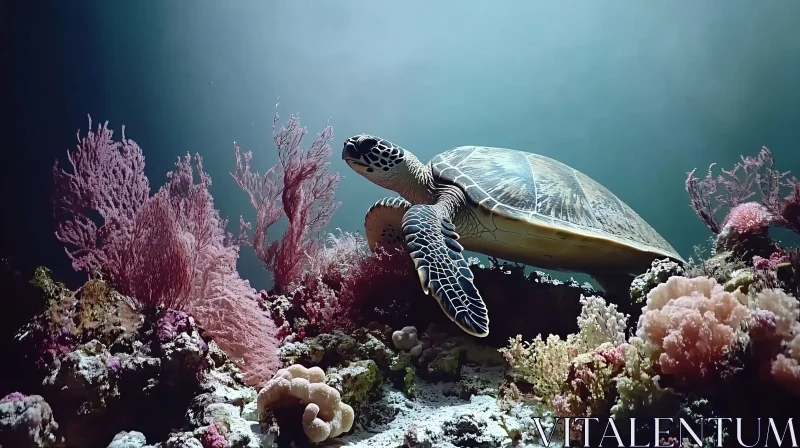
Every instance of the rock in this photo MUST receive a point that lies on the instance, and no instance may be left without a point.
(416, 437)
(27, 422)
(659, 272)
(337, 348)
(470, 385)
(406, 339)
(182, 440)
(356, 382)
(406, 380)
(740, 278)
(239, 432)
(468, 430)
(125, 439)
(84, 373)
(183, 355)
(446, 364)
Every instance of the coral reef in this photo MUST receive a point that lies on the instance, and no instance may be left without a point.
(165, 345)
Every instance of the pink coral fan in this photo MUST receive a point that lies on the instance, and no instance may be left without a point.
(167, 250)
(692, 325)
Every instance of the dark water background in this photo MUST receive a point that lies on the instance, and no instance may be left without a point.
(634, 94)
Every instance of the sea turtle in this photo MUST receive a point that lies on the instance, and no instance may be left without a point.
(509, 204)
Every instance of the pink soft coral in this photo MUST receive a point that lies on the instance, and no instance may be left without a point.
(692, 325)
(750, 217)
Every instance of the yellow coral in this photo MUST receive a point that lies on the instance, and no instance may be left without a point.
(546, 363)
(637, 386)
(325, 415)
(543, 364)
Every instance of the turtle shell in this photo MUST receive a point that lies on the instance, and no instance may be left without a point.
(531, 190)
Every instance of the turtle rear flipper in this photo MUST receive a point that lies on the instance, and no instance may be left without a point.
(443, 272)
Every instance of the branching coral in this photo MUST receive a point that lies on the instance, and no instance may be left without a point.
(169, 250)
(344, 286)
(325, 415)
(588, 385)
(546, 364)
(600, 323)
(107, 180)
(739, 182)
(637, 386)
(692, 326)
(298, 187)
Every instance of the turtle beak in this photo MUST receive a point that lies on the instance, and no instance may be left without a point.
(351, 156)
(349, 151)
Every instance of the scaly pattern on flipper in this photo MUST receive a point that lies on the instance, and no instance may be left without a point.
(443, 272)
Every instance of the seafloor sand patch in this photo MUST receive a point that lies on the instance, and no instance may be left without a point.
(442, 420)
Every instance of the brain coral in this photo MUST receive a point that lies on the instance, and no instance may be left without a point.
(325, 415)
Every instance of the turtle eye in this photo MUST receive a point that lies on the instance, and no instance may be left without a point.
(365, 145)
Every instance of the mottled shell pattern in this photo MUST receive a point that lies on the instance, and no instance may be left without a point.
(534, 189)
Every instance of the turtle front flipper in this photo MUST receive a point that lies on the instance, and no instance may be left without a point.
(443, 272)
(383, 222)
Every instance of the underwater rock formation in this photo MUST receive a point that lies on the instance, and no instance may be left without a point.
(27, 422)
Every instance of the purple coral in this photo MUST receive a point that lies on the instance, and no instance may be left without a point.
(114, 365)
(170, 324)
(212, 438)
(54, 345)
(13, 396)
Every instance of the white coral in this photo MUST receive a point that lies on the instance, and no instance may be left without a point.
(325, 416)
(600, 322)
(785, 308)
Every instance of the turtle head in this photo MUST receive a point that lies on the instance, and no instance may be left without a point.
(378, 160)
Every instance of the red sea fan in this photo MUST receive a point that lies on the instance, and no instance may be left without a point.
(229, 311)
(384, 287)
